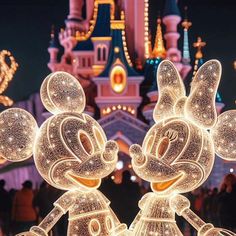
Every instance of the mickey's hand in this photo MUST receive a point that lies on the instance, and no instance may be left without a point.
(28, 233)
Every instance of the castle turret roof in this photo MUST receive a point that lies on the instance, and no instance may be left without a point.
(171, 8)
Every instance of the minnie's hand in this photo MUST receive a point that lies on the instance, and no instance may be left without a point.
(218, 232)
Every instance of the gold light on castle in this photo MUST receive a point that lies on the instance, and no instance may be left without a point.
(7, 70)
(71, 152)
(178, 152)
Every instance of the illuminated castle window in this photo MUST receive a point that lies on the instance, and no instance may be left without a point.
(104, 54)
(101, 52)
(118, 79)
(89, 62)
(83, 62)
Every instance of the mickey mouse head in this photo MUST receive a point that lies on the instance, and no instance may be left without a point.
(70, 148)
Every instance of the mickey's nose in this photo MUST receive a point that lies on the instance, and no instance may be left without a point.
(110, 152)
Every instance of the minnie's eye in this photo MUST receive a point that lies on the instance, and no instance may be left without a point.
(171, 134)
(86, 143)
(149, 144)
(162, 147)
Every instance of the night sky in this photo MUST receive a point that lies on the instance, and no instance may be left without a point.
(25, 30)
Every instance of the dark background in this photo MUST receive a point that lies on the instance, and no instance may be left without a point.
(25, 27)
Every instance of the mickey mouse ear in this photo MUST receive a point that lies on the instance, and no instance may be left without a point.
(224, 135)
(18, 130)
(62, 92)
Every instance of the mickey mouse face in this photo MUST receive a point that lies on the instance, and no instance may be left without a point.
(72, 151)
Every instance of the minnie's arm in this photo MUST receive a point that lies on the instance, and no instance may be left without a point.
(181, 206)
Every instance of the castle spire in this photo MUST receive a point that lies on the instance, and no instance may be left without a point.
(199, 44)
(171, 19)
(198, 62)
(186, 24)
(159, 48)
(53, 49)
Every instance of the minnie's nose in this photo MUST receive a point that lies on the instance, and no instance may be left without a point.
(137, 155)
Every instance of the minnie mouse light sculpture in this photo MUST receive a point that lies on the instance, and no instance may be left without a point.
(178, 152)
(71, 152)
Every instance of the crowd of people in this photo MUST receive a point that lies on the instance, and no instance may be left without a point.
(19, 210)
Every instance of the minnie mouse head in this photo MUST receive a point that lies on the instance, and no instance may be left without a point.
(178, 151)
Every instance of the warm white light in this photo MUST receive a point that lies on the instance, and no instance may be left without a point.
(231, 170)
(133, 178)
(119, 165)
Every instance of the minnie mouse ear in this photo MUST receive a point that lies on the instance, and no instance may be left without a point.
(62, 92)
(171, 89)
(18, 130)
(224, 135)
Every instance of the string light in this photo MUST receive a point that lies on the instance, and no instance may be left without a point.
(7, 71)
(178, 152)
(108, 110)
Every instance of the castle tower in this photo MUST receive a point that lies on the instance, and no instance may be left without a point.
(159, 50)
(53, 51)
(186, 54)
(171, 19)
(199, 44)
(118, 84)
(74, 23)
(158, 53)
(137, 28)
(75, 14)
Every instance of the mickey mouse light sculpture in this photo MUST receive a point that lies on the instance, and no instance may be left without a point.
(71, 152)
(178, 152)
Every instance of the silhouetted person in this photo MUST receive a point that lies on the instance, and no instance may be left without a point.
(4, 208)
(211, 207)
(23, 212)
(110, 190)
(42, 200)
(129, 195)
(227, 203)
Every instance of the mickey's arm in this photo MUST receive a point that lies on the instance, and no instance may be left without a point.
(61, 206)
(181, 206)
(119, 228)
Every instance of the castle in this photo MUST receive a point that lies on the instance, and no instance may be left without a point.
(111, 54)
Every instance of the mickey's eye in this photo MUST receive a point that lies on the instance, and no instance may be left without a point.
(99, 137)
(86, 143)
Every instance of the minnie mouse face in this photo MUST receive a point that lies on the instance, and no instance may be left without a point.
(177, 154)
